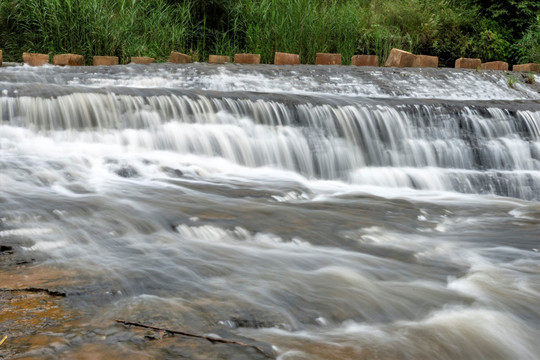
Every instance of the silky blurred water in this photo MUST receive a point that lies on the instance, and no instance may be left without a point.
(324, 212)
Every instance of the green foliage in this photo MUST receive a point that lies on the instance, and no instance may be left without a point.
(491, 46)
(512, 80)
(489, 29)
(94, 27)
(530, 78)
(528, 47)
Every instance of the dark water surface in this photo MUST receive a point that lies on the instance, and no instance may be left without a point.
(319, 212)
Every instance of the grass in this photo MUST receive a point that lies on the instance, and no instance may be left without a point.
(445, 28)
(94, 27)
(512, 80)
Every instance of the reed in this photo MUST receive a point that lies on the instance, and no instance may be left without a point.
(95, 27)
(445, 28)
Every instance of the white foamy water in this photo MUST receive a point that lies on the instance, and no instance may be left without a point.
(323, 226)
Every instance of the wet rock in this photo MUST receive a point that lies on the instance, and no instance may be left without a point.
(172, 172)
(126, 171)
(6, 248)
(247, 58)
(219, 59)
(328, 59)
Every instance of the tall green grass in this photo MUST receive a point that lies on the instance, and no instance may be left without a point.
(445, 28)
(94, 27)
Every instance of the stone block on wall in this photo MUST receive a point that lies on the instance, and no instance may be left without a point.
(247, 58)
(281, 58)
(328, 59)
(68, 59)
(105, 60)
(34, 59)
(365, 60)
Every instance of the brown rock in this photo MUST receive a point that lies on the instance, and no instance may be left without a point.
(328, 59)
(247, 58)
(467, 63)
(68, 59)
(527, 67)
(105, 60)
(219, 59)
(494, 65)
(142, 60)
(286, 59)
(33, 59)
(400, 58)
(365, 60)
(426, 61)
(179, 58)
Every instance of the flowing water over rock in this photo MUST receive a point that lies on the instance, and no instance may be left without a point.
(317, 212)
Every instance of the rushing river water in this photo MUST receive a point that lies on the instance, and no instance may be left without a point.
(319, 212)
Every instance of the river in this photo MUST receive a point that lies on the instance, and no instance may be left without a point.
(319, 212)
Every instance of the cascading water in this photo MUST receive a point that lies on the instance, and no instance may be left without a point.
(326, 212)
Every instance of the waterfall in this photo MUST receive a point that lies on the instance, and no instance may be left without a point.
(484, 147)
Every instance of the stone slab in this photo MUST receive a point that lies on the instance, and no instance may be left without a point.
(105, 60)
(142, 60)
(68, 59)
(328, 59)
(281, 58)
(467, 63)
(365, 60)
(426, 61)
(34, 59)
(179, 58)
(494, 65)
(527, 67)
(400, 58)
(219, 59)
(247, 58)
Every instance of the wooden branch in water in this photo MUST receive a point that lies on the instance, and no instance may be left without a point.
(36, 290)
(209, 338)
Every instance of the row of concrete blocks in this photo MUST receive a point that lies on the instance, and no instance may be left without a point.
(280, 58)
(400, 58)
(397, 58)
